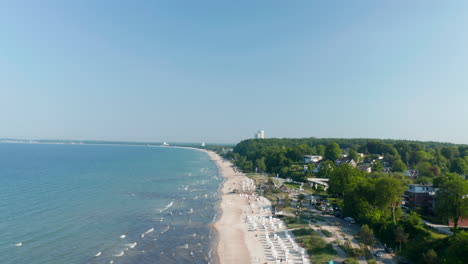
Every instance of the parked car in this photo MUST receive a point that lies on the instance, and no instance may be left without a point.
(350, 220)
(378, 253)
(388, 250)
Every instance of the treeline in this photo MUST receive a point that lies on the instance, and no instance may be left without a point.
(374, 199)
(281, 156)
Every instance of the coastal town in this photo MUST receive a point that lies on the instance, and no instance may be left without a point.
(362, 204)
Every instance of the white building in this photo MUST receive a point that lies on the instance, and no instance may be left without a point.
(259, 134)
(311, 158)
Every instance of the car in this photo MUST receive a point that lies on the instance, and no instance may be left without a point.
(350, 220)
(378, 253)
(388, 250)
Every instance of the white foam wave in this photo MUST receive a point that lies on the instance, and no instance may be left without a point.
(165, 230)
(167, 207)
(18, 244)
(147, 232)
(122, 236)
(98, 254)
(131, 245)
(120, 254)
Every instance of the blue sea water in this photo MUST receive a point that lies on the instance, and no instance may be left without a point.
(106, 204)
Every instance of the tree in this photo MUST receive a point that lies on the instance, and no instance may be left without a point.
(449, 152)
(333, 151)
(325, 169)
(439, 181)
(414, 219)
(400, 235)
(426, 169)
(399, 166)
(459, 166)
(343, 179)
(320, 149)
(366, 235)
(452, 200)
(310, 167)
(260, 163)
(430, 257)
(352, 154)
(389, 192)
(421, 156)
(300, 198)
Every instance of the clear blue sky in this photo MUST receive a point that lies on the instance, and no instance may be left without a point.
(219, 71)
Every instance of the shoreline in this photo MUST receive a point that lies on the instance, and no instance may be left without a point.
(235, 243)
(230, 245)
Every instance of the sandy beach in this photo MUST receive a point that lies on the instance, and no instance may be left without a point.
(246, 230)
(231, 234)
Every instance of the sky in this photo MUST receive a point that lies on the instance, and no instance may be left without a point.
(218, 71)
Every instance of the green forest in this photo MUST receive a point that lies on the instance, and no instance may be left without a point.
(375, 198)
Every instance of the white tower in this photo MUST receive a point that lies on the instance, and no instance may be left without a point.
(260, 134)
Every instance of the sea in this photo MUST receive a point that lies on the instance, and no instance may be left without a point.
(62, 203)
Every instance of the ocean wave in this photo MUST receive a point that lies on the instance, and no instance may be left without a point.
(98, 254)
(18, 244)
(147, 232)
(167, 207)
(165, 230)
(120, 254)
(131, 245)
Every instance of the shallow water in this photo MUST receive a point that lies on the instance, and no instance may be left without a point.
(103, 204)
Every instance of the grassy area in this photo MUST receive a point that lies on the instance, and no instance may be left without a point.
(319, 250)
(326, 233)
(436, 235)
(258, 178)
(292, 185)
(294, 222)
(273, 199)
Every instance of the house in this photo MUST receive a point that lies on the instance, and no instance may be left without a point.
(365, 168)
(388, 170)
(346, 160)
(361, 155)
(419, 195)
(312, 159)
(462, 223)
(318, 166)
(413, 174)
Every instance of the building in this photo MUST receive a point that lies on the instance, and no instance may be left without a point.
(259, 134)
(412, 174)
(312, 159)
(462, 223)
(346, 160)
(419, 195)
(365, 168)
